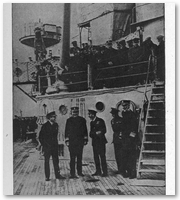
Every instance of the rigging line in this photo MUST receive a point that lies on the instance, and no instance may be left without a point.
(75, 36)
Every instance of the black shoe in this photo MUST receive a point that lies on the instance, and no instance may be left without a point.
(47, 179)
(132, 177)
(80, 174)
(104, 175)
(60, 177)
(97, 174)
(73, 176)
(125, 175)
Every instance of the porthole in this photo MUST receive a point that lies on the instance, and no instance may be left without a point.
(100, 107)
(63, 109)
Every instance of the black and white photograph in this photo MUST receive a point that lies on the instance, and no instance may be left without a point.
(89, 88)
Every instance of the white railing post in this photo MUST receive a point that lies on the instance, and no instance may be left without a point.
(89, 77)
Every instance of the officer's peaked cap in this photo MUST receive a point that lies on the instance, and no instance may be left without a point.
(125, 102)
(74, 42)
(50, 114)
(136, 39)
(148, 39)
(92, 110)
(121, 41)
(114, 110)
(160, 37)
(75, 108)
(109, 42)
(129, 41)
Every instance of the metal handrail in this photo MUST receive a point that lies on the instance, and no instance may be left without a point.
(140, 118)
(121, 76)
(124, 65)
(145, 90)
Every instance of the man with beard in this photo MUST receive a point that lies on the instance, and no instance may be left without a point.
(129, 140)
(97, 133)
(75, 138)
(48, 139)
(116, 124)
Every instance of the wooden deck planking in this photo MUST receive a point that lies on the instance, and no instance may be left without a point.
(29, 182)
(24, 180)
(127, 183)
(19, 173)
(19, 181)
(66, 182)
(37, 183)
(88, 172)
(98, 183)
(143, 189)
(71, 189)
(113, 166)
(29, 178)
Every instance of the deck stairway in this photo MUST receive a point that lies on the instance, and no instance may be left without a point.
(152, 154)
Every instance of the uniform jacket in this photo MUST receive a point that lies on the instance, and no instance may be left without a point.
(76, 131)
(116, 124)
(98, 125)
(129, 126)
(161, 49)
(129, 123)
(48, 136)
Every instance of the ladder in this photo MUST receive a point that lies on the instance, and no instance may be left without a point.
(152, 154)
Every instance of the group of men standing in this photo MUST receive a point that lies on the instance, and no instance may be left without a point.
(125, 140)
(76, 136)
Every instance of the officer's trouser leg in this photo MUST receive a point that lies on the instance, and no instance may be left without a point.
(132, 162)
(96, 159)
(118, 156)
(79, 160)
(72, 162)
(55, 162)
(102, 153)
(46, 164)
(125, 161)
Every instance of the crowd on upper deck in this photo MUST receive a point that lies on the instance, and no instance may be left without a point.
(130, 51)
(104, 57)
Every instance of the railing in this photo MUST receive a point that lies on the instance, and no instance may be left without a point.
(24, 72)
(103, 77)
(109, 77)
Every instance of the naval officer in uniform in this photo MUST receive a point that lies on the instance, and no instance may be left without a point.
(129, 139)
(116, 124)
(97, 133)
(75, 138)
(48, 139)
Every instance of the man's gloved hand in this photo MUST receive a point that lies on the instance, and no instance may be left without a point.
(110, 63)
(98, 132)
(132, 134)
(67, 143)
(38, 148)
(120, 135)
(85, 142)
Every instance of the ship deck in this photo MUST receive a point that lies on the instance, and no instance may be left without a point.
(29, 179)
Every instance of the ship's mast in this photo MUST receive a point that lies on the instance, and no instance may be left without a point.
(66, 34)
